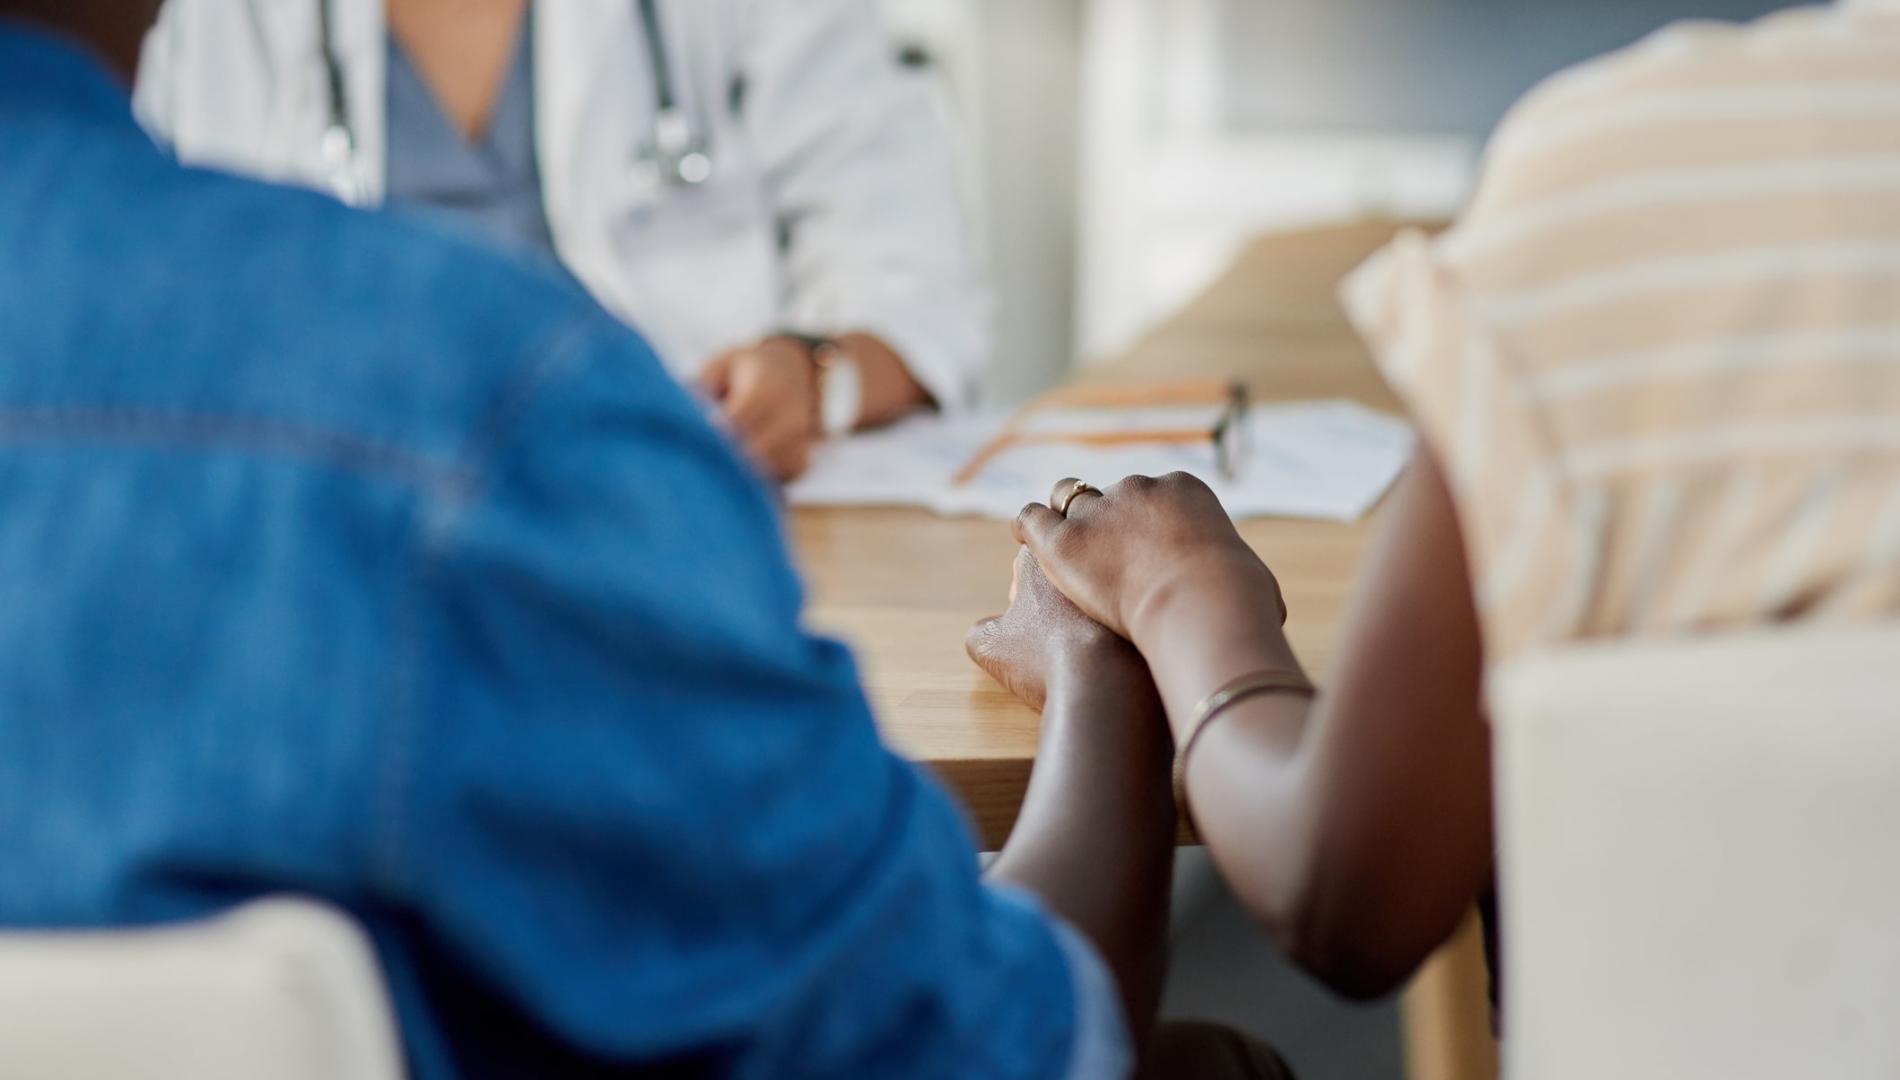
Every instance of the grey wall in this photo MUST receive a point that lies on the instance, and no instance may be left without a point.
(1433, 65)
(1032, 63)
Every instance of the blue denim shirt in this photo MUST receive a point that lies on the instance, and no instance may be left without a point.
(344, 558)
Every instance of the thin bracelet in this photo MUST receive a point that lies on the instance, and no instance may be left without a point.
(1253, 684)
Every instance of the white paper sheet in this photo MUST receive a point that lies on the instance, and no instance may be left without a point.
(1326, 460)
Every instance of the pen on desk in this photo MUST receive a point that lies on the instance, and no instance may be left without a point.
(989, 450)
(1228, 436)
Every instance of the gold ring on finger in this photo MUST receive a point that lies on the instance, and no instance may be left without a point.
(1075, 490)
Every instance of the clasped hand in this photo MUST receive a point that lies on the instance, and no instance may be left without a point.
(1106, 574)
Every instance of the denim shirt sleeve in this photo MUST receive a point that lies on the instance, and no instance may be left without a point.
(641, 804)
(1101, 1046)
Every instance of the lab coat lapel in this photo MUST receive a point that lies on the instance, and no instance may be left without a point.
(273, 52)
(292, 36)
(592, 98)
(362, 41)
(287, 36)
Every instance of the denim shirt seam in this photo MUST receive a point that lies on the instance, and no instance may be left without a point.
(436, 521)
(179, 428)
(542, 361)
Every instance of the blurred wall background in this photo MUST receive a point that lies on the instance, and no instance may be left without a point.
(1120, 151)
(1012, 74)
(1439, 65)
(1241, 115)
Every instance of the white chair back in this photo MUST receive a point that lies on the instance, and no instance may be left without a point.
(1700, 858)
(277, 990)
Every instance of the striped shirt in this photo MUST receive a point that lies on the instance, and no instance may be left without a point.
(1659, 356)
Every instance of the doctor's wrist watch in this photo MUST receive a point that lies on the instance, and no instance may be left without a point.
(840, 384)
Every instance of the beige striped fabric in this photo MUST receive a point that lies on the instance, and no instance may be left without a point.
(1659, 355)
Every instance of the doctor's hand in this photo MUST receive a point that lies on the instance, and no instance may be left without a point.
(768, 395)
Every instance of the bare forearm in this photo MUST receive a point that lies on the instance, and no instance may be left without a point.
(1322, 816)
(1197, 639)
(1319, 815)
(1318, 834)
(1265, 803)
(1096, 834)
(1246, 783)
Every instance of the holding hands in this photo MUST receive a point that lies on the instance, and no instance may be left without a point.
(1143, 544)
(1123, 560)
(1044, 638)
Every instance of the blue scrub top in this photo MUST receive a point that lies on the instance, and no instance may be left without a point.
(492, 185)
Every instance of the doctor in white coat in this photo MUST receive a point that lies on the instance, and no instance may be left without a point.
(754, 184)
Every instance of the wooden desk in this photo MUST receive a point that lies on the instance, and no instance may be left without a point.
(903, 585)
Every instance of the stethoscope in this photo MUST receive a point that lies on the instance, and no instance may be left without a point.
(678, 152)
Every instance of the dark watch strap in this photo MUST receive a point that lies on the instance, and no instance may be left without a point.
(811, 342)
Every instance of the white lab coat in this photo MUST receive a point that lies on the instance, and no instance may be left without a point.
(833, 205)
